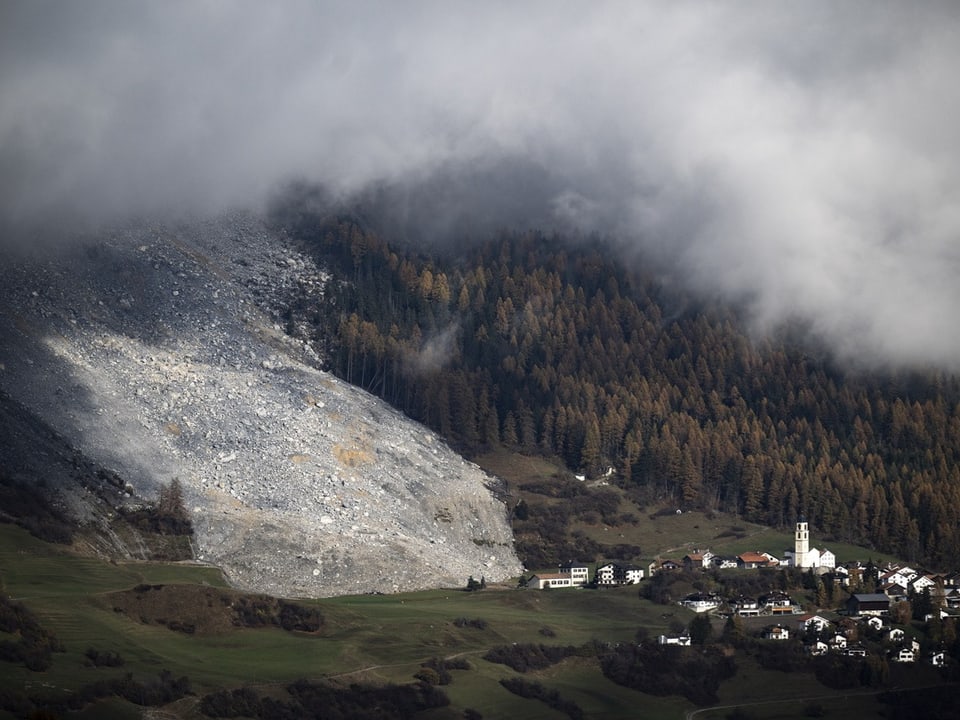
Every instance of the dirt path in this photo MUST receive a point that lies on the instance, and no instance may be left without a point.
(403, 664)
(692, 714)
(687, 546)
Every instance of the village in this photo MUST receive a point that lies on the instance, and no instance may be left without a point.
(864, 622)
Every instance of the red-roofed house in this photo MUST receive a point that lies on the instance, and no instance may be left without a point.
(751, 560)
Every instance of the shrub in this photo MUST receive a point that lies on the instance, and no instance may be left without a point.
(524, 657)
(669, 670)
(428, 675)
(536, 691)
(98, 658)
(478, 623)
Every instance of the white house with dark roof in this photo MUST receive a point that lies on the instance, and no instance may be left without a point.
(854, 650)
(875, 622)
(923, 582)
(895, 578)
(701, 602)
(899, 574)
(612, 574)
(817, 648)
(775, 632)
(777, 603)
(812, 622)
(724, 563)
(903, 655)
(745, 606)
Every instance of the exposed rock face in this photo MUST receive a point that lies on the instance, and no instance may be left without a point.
(159, 352)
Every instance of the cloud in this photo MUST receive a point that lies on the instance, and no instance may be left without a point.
(436, 351)
(801, 159)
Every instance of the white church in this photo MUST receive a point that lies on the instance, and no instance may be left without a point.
(804, 556)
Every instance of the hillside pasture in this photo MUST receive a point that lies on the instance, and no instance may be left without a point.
(373, 638)
(367, 639)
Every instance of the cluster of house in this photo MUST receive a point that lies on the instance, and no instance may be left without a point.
(800, 556)
(897, 582)
(615, 573)
(573, 574)
(773, 603)
(821, 636)
(779, 603)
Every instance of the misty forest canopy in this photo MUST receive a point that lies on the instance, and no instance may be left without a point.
(545, 345)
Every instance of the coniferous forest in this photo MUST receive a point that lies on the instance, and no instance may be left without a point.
(546, 345)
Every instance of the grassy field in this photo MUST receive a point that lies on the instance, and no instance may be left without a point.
(656, 530)
(379, 638)
(385, 638)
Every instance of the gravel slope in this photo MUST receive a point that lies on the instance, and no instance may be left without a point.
(159, 352)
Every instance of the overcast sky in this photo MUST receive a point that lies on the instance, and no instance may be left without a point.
(804, 157)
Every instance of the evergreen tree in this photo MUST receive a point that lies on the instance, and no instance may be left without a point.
(590, 360)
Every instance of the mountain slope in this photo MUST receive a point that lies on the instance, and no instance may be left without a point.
(159, 352)
(566, 347)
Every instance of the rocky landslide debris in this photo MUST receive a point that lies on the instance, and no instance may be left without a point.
(162, 352)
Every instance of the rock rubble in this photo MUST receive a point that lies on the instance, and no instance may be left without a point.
(162, 352)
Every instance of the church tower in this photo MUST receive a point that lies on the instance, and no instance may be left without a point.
(801, 545)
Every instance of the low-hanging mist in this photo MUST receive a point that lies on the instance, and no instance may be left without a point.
(802, 160)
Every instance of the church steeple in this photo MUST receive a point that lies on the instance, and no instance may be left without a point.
(801, 544)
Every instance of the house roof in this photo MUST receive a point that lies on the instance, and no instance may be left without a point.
(870, 597)
(752, 557)
(625, 567)
(894, 576)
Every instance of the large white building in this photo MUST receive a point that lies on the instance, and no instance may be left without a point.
(570, 575)
(804, 556)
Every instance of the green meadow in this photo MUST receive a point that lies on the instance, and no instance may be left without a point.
(371, 638)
